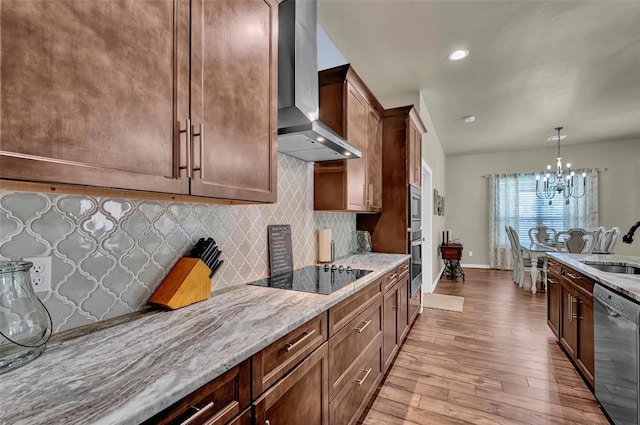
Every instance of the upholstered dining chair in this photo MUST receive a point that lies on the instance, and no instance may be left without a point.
(542, 235)
(514, 254)
(576, 241)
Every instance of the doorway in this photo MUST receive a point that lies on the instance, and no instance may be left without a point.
(427, 231)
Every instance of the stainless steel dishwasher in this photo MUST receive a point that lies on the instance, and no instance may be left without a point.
(617, 347)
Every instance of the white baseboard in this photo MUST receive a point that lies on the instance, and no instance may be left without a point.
(476, 266)
(435, 282)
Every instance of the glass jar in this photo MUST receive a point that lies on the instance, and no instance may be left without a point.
(25, 323)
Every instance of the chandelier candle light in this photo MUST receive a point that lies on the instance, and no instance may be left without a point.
(562, 182)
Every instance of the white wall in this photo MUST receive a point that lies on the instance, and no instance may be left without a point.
(468, 193)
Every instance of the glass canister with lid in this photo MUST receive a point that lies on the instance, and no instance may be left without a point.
(25, 323)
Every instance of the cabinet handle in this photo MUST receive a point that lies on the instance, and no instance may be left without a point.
(267, 422)
(363, 327)
(199, 412)
(366, 375)
(200, 135)
(187, 131)
(551, 281)
(573, 276)
(288, 347)
(393, 276)
(574, 301)
(570, 305)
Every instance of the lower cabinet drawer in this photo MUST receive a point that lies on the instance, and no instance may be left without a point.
(403, 269)
(348, 346)
(352, 399)
(243, 419)
(300, 398)
(273, 362)
(216, 403)
(347, 310)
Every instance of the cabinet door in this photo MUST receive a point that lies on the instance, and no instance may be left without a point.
(92, 91)
(301, 397)
(234, 99)
(357, 110)
(585, 353)
(374, 157)
(418, 157)
(389, 329)
(568, 322)
(554, 301)
(403, 309)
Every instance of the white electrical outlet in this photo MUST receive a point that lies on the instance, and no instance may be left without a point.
(40, 273)
(470, 253)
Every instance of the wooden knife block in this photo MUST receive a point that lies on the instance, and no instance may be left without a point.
(188, 282)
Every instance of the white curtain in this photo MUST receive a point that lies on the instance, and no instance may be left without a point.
(503, 211)
(583, 212)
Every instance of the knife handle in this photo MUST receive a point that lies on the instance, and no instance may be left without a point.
(216, 267)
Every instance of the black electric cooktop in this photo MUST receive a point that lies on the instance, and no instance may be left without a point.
(316, 279)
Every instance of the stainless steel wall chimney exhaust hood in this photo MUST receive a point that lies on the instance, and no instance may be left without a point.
(300, 133)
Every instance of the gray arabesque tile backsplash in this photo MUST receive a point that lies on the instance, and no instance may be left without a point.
(109, 255)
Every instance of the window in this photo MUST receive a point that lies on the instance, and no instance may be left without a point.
(514, 203)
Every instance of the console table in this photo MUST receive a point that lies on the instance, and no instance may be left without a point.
(452, 254)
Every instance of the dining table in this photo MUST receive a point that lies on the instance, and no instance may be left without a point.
(535, 251)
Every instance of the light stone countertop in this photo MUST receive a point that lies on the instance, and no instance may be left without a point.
(625, 284)
(127, 373)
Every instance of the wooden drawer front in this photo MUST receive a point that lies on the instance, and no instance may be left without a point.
(243, 419)
(299, 398)
(347, 347)
(403, 269)
(389, 279)
(583, 284)
(344, 312)
(277, 359)
(351, 401)
(214, 404)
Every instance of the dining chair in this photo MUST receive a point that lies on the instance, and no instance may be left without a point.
(607, 242)
(542, 235)
(576, 241)
(522, 258)
(514, 254)
(598, 231)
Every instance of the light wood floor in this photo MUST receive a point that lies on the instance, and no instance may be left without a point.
(494, 363)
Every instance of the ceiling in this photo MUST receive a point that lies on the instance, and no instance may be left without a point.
(533, 65)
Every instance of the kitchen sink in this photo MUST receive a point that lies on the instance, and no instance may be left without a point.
(623, 268)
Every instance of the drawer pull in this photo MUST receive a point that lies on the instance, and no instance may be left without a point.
(288, 347)
(267, 422)
(366, 375)
(363, 327)
(199, 412)
(393, 276)
(551, 280)
(573, 276)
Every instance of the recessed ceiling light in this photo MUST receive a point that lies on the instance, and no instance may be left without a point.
(470, 118)
(456, 55)
(347, 153)
(555, 138)
(320, 139)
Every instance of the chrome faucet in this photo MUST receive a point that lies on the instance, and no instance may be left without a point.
(628, 238)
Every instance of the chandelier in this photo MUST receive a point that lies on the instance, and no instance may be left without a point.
(562, 182)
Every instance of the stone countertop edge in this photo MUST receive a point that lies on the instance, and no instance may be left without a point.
(125, 374)
(628, 285)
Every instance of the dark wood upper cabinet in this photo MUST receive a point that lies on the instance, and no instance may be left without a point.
(401, 165)
(234, 98)
(351, 110)
(92, 91)
(100, 93)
